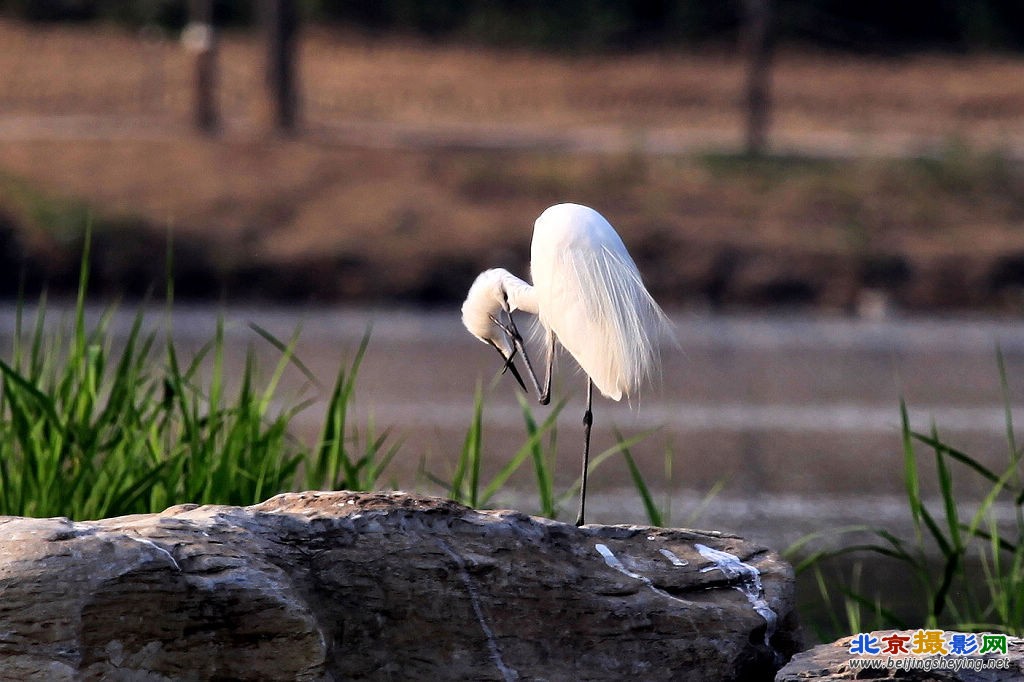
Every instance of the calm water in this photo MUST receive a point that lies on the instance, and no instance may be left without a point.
(797, 415)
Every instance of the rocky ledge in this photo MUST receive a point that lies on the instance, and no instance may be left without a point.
(320, 586)
(833, 662)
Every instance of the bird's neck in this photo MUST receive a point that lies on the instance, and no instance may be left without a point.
(521, 295)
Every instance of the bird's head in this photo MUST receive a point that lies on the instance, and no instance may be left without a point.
(487, 314)
(486, 301)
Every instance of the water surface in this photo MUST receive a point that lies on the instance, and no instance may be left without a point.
(797, 415)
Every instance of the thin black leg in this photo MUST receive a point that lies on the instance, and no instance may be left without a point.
(588, 421)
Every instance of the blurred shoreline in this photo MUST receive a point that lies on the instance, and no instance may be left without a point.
(891, 184)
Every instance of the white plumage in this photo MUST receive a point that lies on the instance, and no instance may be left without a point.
(589, 293)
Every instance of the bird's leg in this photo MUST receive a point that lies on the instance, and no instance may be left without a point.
(588, 420)
(544, 397)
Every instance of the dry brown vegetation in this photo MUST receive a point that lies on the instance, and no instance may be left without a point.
(350, 209)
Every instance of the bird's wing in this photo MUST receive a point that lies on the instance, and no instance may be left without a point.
(599, 309)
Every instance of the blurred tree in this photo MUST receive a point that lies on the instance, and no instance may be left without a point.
(281, 19)
(756, 43)
(200, 37)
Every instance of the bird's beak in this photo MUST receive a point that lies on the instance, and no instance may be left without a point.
(510, 366)
(517, 347)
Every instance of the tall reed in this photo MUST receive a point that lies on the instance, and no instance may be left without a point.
(966, 569)
(92, 428)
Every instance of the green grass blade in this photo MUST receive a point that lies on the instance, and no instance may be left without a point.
(600, 459)
(910, 477)
(706, 500)
(286, 350)
(472, 445)
(541, 467)
(654, 514)
(957, 455)
(1011, 438)
(527, 449)
(948, 499)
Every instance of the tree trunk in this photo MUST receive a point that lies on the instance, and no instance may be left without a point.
(200, 38)
(281, 18)
(757, 46)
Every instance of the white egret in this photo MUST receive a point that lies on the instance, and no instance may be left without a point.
(588, 295)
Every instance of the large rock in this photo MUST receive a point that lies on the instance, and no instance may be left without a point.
(314, 586)
(833, 662)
